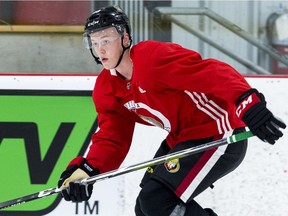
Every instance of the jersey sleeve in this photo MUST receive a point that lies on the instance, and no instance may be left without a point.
(111, 143)
(178, 68)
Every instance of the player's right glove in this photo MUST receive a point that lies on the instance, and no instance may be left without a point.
(251, 108)
(71, 189)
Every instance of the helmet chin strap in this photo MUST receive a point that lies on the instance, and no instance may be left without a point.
(123, 51)
(95, 58)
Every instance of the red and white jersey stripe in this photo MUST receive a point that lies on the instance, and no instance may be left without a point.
(213, 110)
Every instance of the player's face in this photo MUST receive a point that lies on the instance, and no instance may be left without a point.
(107, 46)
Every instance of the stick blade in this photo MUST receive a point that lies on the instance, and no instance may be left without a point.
(28, 198)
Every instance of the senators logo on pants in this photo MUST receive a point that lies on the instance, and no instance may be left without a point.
(172, 166)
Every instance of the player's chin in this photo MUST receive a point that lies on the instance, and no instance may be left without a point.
(108, 66)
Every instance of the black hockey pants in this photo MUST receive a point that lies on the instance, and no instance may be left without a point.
(163, 202)
(158, 196)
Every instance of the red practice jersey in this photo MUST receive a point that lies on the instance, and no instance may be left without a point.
(172, 88)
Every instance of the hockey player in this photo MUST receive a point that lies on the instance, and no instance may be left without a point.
(165, 85)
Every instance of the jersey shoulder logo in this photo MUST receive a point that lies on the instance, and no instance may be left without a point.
(142, 91)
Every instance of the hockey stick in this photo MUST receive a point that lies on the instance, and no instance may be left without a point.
(156, 161)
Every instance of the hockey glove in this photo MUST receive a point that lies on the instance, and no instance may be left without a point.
(73, 190)
(251, 108)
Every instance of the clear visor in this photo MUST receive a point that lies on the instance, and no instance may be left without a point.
(104, 36)
(87, 41)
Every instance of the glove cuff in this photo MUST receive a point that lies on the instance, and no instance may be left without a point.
(90, 170)
(248, 100)
(83, 164)
(246, 94)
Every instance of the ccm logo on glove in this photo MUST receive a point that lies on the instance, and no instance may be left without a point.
(246, 104)
(251, 108)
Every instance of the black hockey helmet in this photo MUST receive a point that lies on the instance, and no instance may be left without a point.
(111, 16)
(106, 17)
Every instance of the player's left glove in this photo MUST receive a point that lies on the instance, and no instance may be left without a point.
(72, 190)
(251, 108)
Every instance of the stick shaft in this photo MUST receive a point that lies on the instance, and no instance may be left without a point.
(135, 167)
(179, 154)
